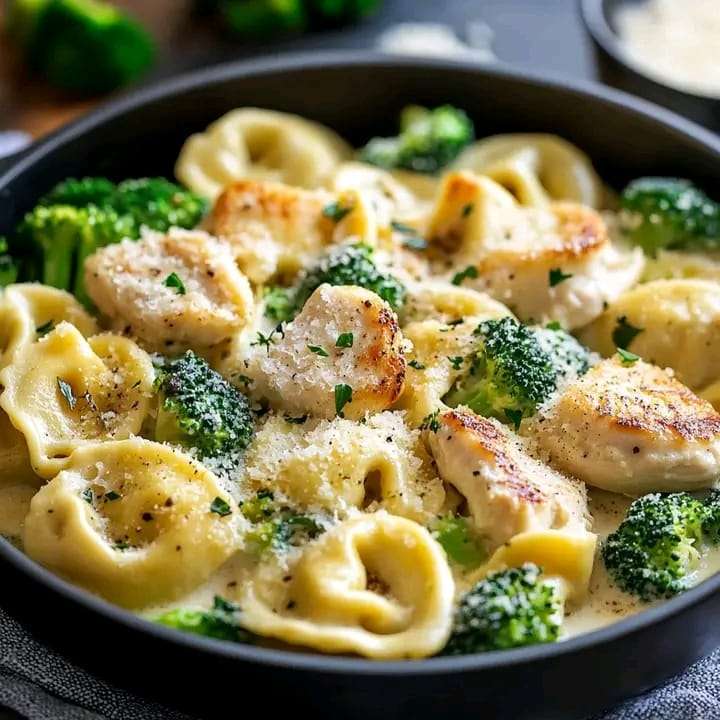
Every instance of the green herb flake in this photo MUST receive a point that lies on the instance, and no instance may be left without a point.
(343, 395)
(296, 420)
(431, 422)
(469, 272)
(556, 276)
(45, 328)
(514, 416)
(122, 545)
(411, 238)
(335, 211)
(627, 357)
(173, 281)
(554, 325)
(88, 496)
(456, 362)
(624, 333)
(264, 340)
(220, 507)
(345, 340)
(67, 392)
(467, 209)
(318, 350)
(416, 364)
(112, 495)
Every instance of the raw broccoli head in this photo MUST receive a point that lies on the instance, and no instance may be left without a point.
(669, 213)
(220, 622)
(654, 549)
(509, 375)
(82, 45)
(199, 409)
(60, 237)
(349, 265)
(428, 140)
(507, 609)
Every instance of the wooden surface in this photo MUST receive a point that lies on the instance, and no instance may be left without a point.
(535, 33)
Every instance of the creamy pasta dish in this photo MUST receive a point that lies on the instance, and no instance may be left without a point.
(439, 395)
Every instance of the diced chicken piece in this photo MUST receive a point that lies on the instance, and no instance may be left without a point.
(172, 291)
(633, 429)
(546, 264)
(507, 491)
(277, 230)
(303, 370)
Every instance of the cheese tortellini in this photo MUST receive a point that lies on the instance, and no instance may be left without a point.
(133, 521)
(377, 585)
(64, 391)
(263, 144)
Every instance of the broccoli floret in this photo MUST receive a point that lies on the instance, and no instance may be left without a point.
(507, 609)
(339, 12)
(61, 237)
(569, 358)
(711, 523)
(459, 542)
(654, 550)
(669, 213)
(350, 265)
(199, 409)
(220, 622)
(276, 527)
(428, 140)
(80, 193)
(8, 265)
(255, 19)
(509, 375)
(85, 46)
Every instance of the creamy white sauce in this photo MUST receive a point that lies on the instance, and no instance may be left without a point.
(677, 42)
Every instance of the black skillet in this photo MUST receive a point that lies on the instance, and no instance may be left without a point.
(359, 96)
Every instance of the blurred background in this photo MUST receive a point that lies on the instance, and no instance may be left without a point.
(59, 58)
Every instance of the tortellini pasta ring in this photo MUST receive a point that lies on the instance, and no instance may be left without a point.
(376, 585)
(536, 168)
(132, 520)
(64, 391)
(265, 144)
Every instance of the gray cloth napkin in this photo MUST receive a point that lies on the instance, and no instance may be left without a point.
(39, 684)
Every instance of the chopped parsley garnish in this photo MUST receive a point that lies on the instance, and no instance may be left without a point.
(112, 495)
(556, 276)
(469, 272)
(122, 545)
(244, 380)
(624, 333)
(345, 340)
(456, 362)
(554, 325)
(220, 507)
(318, 350)
(343, 395)
(67, 392)
(412, 239)
(514, 416)
(627, 357)
(173, 281)
(416, 364)
(296, 420)
(265, 340)
(454, 323)
(87, 495)
(45, 328)
(431, 422)
(335, 211)
(467, 209)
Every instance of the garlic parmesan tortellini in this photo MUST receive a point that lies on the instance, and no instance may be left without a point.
(263, 144)
(171, 291)
(340, 465)
(536, 168)
(671, 323)
(64, 391)
(674, 264)
(376, 585)
(133, 521)
(546, 264)
(29, 310)
(301, 370)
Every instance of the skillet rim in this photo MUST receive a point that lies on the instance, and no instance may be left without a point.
(329, 664)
